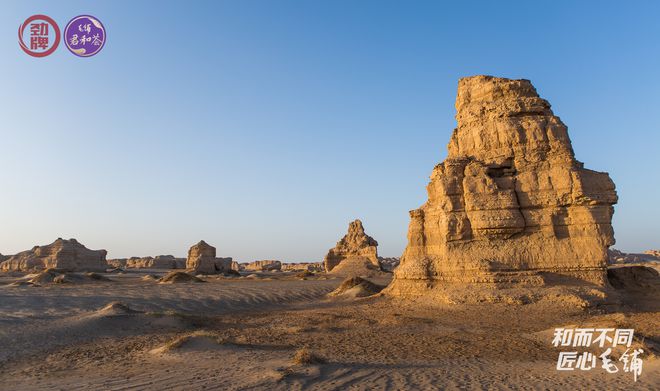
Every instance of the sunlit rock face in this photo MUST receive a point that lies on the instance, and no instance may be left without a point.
(356, 245)
(69, 255)
(510, 204)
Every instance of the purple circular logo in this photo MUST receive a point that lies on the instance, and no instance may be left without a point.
(84, 36)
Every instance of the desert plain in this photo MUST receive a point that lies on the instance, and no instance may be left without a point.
(244, 333)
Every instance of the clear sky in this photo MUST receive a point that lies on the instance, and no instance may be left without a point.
(264, 127)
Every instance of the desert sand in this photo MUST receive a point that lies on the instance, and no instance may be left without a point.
(249, 333)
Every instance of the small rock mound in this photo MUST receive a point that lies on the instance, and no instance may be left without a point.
(45, 277)
(633, 277)
(96, 276)
(116, 308)
(306, 357)
(231, 273)
(198, 341)
(356, 287)
(59, 277)
(304, 274)
(178, 277)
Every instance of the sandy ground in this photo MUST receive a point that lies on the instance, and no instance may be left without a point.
(244, 333)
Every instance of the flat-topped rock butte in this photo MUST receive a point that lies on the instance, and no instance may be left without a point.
(510, 204)
(69, 255)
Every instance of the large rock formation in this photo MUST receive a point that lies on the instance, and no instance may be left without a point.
(66, 255)
(354, 246)
(202, 259)
(510, 204)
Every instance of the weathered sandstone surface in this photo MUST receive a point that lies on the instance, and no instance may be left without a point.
(634, 277)
(355, 245)
(265, 265)
(202, 259)
(510, 204)
(65, 255)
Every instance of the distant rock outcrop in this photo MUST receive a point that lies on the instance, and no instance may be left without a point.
(175, 277)
(616, 256)
(388, 264)
(653, 253)
(202, 259)
(510, 204)
(265, 265)
(355, 245)
(157, 262)
(304, 266)
(64, 255)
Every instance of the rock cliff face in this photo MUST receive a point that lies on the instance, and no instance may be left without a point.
(67, 255)
(510, 204)
(354, 245)
(202, 259)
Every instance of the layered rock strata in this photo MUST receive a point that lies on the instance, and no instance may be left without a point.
(510, 204)
(66, 255)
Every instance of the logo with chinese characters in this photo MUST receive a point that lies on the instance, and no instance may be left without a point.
(39, 36)
(84, 36)
(629, 360)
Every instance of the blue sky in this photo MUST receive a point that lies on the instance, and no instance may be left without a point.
(264, 127)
